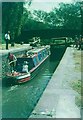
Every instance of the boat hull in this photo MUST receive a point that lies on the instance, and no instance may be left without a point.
(25, 78)
(38, 68)
(36, 62)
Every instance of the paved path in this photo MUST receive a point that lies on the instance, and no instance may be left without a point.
(58, 99)
(23, 47)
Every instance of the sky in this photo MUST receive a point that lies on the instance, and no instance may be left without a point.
(46, 5)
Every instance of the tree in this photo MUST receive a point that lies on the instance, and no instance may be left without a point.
(12, 18)
(66, 16)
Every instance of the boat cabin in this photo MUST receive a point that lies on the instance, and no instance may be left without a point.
(34, 57)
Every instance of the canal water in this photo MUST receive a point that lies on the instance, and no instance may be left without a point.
(18, 101)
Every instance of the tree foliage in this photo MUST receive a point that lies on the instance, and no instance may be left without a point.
(15, 17)
(69, 15)
(65, 16)
(12, 18)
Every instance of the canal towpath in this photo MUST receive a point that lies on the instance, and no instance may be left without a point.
(15, 48)
(59, 98)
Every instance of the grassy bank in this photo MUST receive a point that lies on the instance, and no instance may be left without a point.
(76, 85)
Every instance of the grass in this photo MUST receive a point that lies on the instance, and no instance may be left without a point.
(78, 101)
(76, 85)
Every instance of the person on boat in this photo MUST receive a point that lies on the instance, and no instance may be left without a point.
(25, 67)
(12, 61)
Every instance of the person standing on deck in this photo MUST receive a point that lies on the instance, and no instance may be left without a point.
(7, 39)
(12, 61)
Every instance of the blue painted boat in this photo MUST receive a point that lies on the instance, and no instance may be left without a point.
(35, 58)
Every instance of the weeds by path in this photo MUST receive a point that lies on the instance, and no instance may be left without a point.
(76, 85)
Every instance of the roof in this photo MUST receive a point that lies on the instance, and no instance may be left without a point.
(36, 50)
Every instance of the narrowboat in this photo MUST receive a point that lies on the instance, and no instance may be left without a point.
(35, 58)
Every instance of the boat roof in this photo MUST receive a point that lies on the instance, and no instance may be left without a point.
(33, 52)
(36, 50)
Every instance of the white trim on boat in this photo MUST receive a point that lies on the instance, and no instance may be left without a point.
(23, 76)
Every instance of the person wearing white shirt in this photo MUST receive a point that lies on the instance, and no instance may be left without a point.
(25, 67)
(7, 38)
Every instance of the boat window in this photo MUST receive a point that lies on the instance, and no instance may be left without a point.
(43, 53)
(39, 56)
(35, 60)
